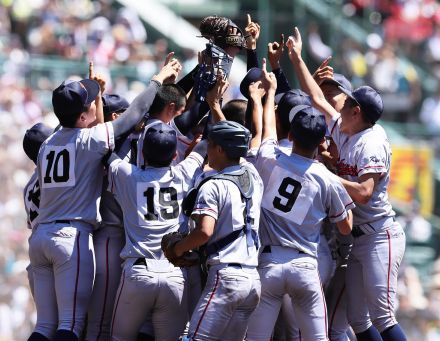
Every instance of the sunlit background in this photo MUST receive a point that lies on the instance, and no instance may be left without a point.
(391, 45)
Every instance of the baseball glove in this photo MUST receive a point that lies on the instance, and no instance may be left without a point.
(168, 242)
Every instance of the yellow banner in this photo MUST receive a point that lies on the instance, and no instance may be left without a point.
(411, 176)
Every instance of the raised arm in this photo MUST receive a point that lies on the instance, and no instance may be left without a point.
(308, 84)
(269, 83)
(252, 30)
(98, 99)
(141, 104)
(256, 93)
(274, 52)
(214, 98)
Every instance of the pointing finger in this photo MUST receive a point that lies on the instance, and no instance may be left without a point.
(249, 20)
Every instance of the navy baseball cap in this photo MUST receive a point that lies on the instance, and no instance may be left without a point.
(114, 103)
(340, 81)
(160, 143)
(288, 102)
(308, 127)
(368, 100)
(72, 97)
(34, 138)
(253, 75)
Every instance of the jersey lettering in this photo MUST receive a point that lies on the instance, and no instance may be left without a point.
(167, 202)
(291, 195)
(58, 166)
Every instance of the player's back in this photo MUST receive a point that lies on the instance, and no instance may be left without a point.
(70, 173)
(299, 193)
(151, 201)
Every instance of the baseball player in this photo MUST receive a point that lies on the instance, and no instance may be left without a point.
(169, 102)
(70, 176)
(226, 214)
(299, 194)
(108, 241)
(32, 140)
(364, 166)
(336, 296)
(151, 200)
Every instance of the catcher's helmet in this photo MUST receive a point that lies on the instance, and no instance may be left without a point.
(160, 143)
(232, 137)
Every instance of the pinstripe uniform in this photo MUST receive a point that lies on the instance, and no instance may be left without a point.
(379, 242)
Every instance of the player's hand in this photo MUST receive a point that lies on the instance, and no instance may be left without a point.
(252, 30)
(323, 72)
(169, 72)
(274, 52)
(268, 79)
(214, 96)
(256, 91)
(168, 58)
(97, 77)
(294, 44)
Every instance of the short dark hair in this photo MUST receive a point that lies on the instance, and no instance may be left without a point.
(235, 110)
(157, 164)
(69, 121)
(168, 93)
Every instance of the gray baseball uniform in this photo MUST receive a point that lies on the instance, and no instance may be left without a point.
(379, 242)
(288, 262)
(60, 249)
(326, 266)
(150, 286)
(232, 289)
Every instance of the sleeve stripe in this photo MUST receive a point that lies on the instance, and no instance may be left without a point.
(338, 215)
(205, 209)
(369, 167)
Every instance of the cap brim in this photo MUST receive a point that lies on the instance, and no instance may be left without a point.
(92, 88)
(348, 93)
(332, 81)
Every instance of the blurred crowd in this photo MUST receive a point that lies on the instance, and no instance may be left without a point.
(109, 35)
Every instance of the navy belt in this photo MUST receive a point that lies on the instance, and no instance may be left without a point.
(62, 221)
(140, 261)
(268, 249)
(357, 232)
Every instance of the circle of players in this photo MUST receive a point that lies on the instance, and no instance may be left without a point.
(285, 231)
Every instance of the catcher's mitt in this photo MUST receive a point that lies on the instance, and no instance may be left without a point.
(168, 242)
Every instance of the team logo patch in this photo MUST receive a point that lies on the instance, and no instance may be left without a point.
(346, 169)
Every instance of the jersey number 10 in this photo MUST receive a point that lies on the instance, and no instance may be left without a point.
(52, 170)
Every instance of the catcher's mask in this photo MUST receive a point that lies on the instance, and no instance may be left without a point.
(214, 59)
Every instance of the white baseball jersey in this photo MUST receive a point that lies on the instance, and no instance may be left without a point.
(31, 195)
(157, 195)
(285, 146)
(220, 199)
(299, 194)
(365, 152)
(70, 173)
